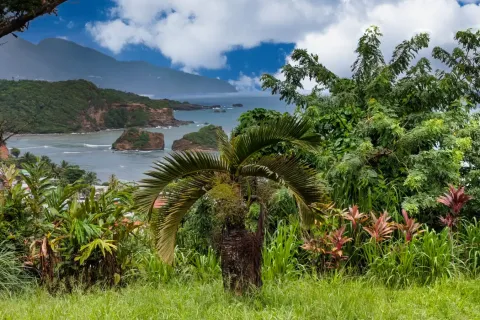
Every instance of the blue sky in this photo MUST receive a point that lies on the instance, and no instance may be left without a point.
(73, 16)
(239, 40)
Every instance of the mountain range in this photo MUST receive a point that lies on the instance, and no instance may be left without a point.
(56, 59)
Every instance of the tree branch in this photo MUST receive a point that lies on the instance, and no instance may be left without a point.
(18, 23)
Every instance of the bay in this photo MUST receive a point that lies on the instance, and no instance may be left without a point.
(92, 151)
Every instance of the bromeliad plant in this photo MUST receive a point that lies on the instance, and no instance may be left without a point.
(230, 179)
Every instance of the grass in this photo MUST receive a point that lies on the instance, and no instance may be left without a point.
(300, 299)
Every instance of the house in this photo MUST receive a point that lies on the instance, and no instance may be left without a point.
(160, 202)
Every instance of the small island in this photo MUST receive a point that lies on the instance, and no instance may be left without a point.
(135, 139)
(237, 105)
(203, 140)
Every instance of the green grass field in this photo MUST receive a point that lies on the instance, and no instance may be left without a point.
(302, 299)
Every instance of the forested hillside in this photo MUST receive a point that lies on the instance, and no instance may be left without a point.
(58, 60)
(59, 107)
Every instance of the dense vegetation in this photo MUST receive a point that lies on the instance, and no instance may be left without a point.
(369, 189)
(56, 107)
(205, 137)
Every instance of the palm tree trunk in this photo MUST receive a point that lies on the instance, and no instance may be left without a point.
(241, 257)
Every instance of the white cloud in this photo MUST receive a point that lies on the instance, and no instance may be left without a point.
(197, 34)
(70, 24)
(62, 37)
(246, 83)
(398, 20)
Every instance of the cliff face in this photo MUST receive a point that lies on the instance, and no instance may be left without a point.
(203, 140)
(95, 119)
(134, 139)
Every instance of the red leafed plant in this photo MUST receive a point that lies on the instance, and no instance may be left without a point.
(355, 216)
(338, 240)
(382, 228)
(330, 248)
(410, 227)
(449, 221)
(455, 199)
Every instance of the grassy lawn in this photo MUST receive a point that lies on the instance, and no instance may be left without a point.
(302, 299)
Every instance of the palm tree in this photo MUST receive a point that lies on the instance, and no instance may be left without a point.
(229, 178)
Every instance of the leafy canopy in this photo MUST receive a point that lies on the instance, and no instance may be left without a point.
(396, 132)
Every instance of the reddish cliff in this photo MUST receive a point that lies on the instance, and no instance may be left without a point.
(95, 119)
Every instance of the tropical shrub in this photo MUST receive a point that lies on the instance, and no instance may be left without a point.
(395, 132)
(230, 179)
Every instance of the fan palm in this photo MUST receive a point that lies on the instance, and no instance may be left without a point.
(229, 178)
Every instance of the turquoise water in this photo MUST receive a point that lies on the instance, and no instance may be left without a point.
(92, 151)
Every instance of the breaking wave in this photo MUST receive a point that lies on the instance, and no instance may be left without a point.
(96, 145)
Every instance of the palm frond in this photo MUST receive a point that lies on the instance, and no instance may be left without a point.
(291, 173)
(180, 199)
(284, 129)
(225, 147)
(176, 166)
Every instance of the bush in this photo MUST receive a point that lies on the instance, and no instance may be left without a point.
(422, 261)
(12, 275)
(279, 254)
(15, 152)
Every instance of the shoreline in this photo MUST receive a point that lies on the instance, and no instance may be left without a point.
(93, 132)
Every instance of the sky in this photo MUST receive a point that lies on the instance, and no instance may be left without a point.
(239, 40)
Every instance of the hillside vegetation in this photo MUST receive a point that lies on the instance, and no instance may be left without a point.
(57, 60)
(206, 136)
(203, 139)
(55, 107)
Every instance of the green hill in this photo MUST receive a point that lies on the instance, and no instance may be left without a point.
(61, 107)
(58, 60)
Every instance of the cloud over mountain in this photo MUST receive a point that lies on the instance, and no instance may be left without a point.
(197, 34)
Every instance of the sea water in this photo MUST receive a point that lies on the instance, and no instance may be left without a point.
(92, 151)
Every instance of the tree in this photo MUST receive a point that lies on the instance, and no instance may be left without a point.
(15, 15)
(254, 117)
(90, 178)
(15, 152)
(395, 133)
(227, 179)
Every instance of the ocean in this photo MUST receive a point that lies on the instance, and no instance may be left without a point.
(92, 151)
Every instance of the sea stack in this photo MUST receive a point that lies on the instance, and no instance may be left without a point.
(136, 139)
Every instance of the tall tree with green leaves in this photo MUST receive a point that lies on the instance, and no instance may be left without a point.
(396, 132)
(227, 178)
(15, 15)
